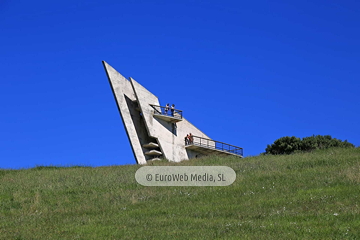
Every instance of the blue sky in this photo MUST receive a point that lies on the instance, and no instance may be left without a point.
(244, 72)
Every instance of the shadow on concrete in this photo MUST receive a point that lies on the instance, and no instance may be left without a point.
(139, 123)
(171, 127)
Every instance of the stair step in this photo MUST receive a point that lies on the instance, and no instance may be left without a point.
(153, 152)
(151, 145)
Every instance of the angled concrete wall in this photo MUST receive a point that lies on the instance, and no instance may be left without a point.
(124, 96)
(134, 103)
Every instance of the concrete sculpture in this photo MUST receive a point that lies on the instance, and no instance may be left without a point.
(154, 132)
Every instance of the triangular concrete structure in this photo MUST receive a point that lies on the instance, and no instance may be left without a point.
(151, 132)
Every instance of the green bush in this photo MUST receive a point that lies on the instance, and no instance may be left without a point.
(284, 145)
(288, 145)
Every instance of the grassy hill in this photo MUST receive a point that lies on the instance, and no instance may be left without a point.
(301, 196)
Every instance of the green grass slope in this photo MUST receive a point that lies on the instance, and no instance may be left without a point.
(301, 196)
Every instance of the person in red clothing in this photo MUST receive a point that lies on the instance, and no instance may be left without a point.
(191, 139)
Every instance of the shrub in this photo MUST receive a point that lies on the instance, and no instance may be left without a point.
(288, 145)
(284, 145)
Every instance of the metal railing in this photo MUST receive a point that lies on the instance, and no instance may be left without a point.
(212, 144)
(161, 110)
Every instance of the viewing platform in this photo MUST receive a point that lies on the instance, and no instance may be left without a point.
(169, 115)
(208, 146)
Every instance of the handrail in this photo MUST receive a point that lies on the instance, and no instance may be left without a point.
(212, 144)
(161, 110)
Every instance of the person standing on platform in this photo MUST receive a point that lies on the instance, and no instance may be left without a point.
(167, 107)
(172, 109)
(187, 139)
(191, 139)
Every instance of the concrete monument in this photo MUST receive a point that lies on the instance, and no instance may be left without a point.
(156, 131)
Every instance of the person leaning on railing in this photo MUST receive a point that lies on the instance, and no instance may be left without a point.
(167, 107)
(187, 139)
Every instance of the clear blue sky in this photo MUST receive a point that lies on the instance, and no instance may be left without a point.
(244, 72)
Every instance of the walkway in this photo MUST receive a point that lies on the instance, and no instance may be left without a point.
(208, 146)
